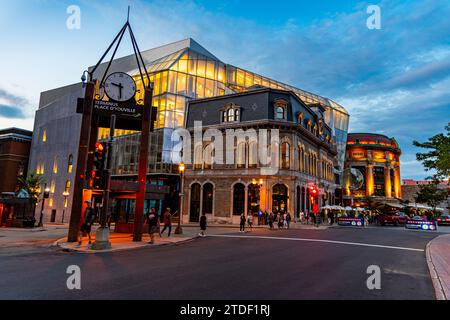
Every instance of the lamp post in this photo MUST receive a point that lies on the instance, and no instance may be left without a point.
(65, 195)
(46, 195)
(181, 169)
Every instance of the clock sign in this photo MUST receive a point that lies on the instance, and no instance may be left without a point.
(120, 87)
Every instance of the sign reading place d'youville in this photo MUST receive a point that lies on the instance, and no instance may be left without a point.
(117, 108)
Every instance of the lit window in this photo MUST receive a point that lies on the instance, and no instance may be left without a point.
(67, 188)
(285, 155)
(55, 165)
(44, 136)
(50, 202)
(52, 187)
(70, 164)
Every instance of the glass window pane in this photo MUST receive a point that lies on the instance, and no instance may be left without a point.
(162, 103)
(191, 86)
(164, 82)
(172, 82)
(248, 79)
(210, 69)
(170, 102)
(257, 80)
(179, 119)
(161, 119)
(221, 73)
(181, 104)
(183, 66)
(192, 67)
(201, 66)
(181, 83)
(209, 89)
(157, 88)
(200, 92)
(240, 78)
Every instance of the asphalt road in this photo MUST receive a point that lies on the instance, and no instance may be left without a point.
(250, 266)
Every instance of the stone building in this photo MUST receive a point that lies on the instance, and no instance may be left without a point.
(14, 152)
(228, 174)
(377, 158)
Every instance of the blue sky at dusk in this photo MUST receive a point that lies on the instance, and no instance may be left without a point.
(394, 81)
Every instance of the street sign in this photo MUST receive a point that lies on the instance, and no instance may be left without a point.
(108, 108)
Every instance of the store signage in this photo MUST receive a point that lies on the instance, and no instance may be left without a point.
(350, 222)
(421, 225)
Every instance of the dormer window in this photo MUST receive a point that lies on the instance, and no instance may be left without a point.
(231, 113)
(281, 113)
(280, 107)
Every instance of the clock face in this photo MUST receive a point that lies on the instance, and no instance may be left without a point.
(120, 87)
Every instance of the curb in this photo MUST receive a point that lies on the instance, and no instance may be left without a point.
(57, 243)
(438, 289)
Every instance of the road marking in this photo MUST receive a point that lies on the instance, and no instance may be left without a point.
(319, 240)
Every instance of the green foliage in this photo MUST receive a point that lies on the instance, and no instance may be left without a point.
(32, 184)
(438, 158)
(431, 194)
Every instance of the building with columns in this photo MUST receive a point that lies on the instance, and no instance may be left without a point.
(377, 157)
(229, 174)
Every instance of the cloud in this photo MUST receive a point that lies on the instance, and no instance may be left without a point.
(12, 98)
(11, 112)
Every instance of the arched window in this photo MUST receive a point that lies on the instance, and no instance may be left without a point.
(208, 198)
(240, 155)
(285, 155)
(280, 113)
(300, 118)
(194, 212)
(230, 115)
(70, 164)
(198, 157)
(253, 155)
(208, 156)
(238, 199)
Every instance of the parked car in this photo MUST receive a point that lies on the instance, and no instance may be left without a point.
(443, 220)
(392, 218)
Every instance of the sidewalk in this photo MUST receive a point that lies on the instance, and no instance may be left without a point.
(123, 242)
(438, 258)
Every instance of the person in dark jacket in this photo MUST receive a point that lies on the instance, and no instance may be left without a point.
(152, 222)
(203, 223)
(243, 220)
(89, 218)
(167, 219)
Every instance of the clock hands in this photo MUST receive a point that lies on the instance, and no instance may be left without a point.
(120, 86)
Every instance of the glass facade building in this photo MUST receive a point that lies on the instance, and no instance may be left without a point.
(192, 73)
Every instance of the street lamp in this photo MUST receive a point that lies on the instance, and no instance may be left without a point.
(46, 195)
(65, 195)
(181, 169)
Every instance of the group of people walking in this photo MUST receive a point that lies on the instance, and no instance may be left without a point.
(281, 220)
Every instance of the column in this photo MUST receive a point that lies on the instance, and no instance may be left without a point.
(397, 187)
(387, 181)
(369, 180)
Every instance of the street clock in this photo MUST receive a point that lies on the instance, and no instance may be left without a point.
(120, 87)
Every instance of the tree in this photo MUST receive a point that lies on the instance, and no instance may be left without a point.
(431, 194)
(438, 158)
(32, 185)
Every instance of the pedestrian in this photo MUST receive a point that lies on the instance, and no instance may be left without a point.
(302, 216)
(242, 228)
(270, 220)
(152, 222)
(288, 220)
(86, 227)
(167, 219)
(250, 221)
(307, 216)
(280, 221)
(203, 223)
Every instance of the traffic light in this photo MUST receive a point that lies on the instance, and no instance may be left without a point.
(99, 165)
